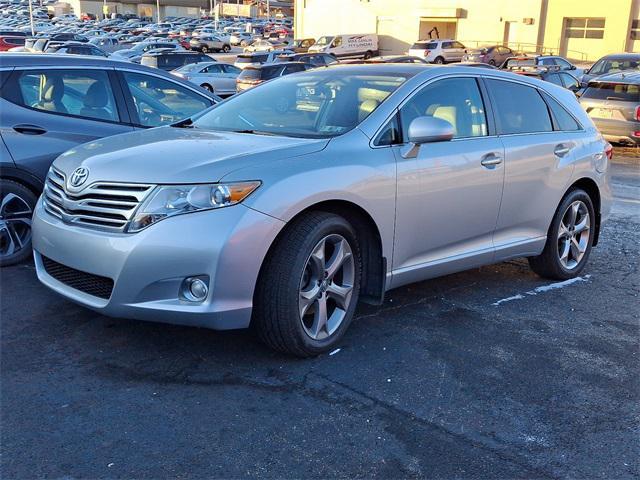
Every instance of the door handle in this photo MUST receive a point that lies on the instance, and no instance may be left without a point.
(561, 150)
(490, 160)
(29, 129)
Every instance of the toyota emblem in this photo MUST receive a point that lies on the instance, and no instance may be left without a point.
(79, 176)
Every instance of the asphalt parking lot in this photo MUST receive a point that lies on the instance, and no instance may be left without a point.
(443, 381)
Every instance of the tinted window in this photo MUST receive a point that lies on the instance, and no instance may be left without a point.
(212, 69)
(564, 121)
(84, 94)
(293, 69)
(160, 102)
(613, 91)
(554, 78)
(271, 72)
(456, 100)
(390, 134)
(447, 44)
(547, 61)
(569, 81)
(230, 69)
(519, 108)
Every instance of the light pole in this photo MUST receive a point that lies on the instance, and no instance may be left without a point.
(33, 30)
(158, 8)
(268, 10)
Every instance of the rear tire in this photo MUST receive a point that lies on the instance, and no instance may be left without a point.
(439, 60)
(569, 239)
(368, 54)
(205, 49)
(17, 203)
(226, 48)
(492, 62)
(305, 297)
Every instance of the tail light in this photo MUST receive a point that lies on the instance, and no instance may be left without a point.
(638, 113)
(608, 151)
(426, 53)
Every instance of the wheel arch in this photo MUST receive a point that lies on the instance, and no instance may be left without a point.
(24, 178)
(374, 264)
(591, 188)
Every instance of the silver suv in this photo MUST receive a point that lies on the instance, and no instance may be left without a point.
(438, 51)
(284, 206)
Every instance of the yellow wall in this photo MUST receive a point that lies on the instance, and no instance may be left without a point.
(398, 22)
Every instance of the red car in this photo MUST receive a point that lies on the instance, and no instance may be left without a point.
(8, 41)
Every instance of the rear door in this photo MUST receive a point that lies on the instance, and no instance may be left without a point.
(48, 111)
(449, 192)
(538, 166)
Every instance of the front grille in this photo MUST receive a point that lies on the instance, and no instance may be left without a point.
(85, 282)
(101, 205)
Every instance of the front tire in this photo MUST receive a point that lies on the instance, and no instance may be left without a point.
(226, 48)
(309, 286)
(439, 60)
(16, 208)
(206, 86)
(205, 49)
(569, 239)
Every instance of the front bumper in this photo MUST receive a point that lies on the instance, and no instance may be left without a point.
(618, 131)
(147, 268)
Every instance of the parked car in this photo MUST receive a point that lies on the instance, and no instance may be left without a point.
(75, 48)
(315, 59)
(438, 51)
(209, 43)
(301, 45)
(262, 45)
(493, 55)
(107, 44)
(241, 38)
(294, 215)
(245, 60)
(219, 78)
(171, 59)
(615, 63)
(397, 59)
(252, 76)
(51, 103)
(542, 61)
(613, 103)
(139, 49)
(347, 46)
(551, 74)
(10, 41)
(68, 37)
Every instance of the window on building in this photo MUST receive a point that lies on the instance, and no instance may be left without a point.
(584, 27)
(635, 30)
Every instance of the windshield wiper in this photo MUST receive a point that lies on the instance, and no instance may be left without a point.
(186, 123)
(255, 132)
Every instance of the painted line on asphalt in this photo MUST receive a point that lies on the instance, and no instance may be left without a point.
(542, 289)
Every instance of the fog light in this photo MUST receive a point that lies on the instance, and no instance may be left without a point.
(195, 289)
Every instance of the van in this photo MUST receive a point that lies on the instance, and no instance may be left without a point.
(348, 46)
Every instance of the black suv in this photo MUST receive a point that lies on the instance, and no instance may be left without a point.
(171, 59)
(315, 59)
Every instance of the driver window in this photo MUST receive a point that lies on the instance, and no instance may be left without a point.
(337, 41)
(456, 100)
(161, 102)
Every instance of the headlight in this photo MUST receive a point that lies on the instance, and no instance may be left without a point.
(169, 200)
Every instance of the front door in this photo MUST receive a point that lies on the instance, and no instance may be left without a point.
(449, 193)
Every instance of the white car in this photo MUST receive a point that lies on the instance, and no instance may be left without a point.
(438, 51)
(217, 77)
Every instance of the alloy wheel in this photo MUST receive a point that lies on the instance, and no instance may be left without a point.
(573, 234)
(326, 287)
(15, 224)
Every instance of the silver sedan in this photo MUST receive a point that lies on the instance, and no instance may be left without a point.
(218, 78)
(282, 207)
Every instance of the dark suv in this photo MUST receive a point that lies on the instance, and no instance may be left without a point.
(75, 48)
(252, 76)
(171, 59)
(51, 103)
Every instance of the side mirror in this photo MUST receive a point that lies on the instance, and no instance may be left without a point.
(427, 130)
(573, 67)
(430, 129)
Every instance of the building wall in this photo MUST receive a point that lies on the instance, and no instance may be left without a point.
(528, 25)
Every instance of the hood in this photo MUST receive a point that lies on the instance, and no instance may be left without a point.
(179, 155)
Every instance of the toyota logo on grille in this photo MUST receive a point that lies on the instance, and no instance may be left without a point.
(79, 176)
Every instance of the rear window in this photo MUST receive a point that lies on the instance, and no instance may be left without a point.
(613, 91)
(424, 46)
(249, 74)
(14, 41)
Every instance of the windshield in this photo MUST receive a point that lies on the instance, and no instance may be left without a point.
(613, 66)
(308, 105)
(322, 41)
(190, 67)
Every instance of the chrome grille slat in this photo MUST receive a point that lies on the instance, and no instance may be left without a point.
(101, 205)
